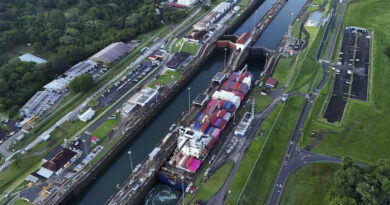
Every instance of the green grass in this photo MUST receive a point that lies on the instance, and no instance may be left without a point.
(15, 173)
(363, 131)
(282, 71)
(177, 45)
(309, 184)
(93, 103)
(266, 168)
(262, 102)
(105, 128)
(191, 48)
(215, 182)
(165, 78)
(20, 201)
(245, 168)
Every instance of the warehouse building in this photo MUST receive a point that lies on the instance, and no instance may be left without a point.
(111, 53)
(28, 57)
(177, 61)
(80, 68)
(42, 100)
(187, 2)
(57, 85)
(144, 96)
(208, 19)
(57, 163)
(87, 115)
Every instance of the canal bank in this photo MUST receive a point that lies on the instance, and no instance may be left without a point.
(119, 168)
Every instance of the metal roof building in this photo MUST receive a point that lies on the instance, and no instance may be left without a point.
(28, 57)
(111, 53)
(40, 101)
(222, 7)
(143, 96)
(57, 85)
(80, 68)
(87, 115)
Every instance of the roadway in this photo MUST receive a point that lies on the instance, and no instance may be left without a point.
(295, 157)
(4, 147)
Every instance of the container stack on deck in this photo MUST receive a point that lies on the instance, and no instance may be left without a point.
(195, 142)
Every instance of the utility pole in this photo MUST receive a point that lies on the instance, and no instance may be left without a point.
(189, 99)
(131, 162)
(224, 61)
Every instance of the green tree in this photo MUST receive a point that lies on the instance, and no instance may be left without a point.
(82, 83)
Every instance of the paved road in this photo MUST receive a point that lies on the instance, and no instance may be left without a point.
(4, 147)
(295, 157)
(219, 197)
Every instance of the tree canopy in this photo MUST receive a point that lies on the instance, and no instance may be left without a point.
(360, 185)
(82, 83)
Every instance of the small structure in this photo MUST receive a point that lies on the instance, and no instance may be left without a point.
(87, 115)
(52, 153)
(57, 85)
(222, 8)
(208, 19)
(111, 53)
(271, 82)
(244, 125)
(32, 178)
(177, 61)
(144, 96)
(80, 68)
(28, 57)
(187, 2)
(219, 77)
(129, 106)
(94, 139)
(57, 163)
(42, 100)
(243, 41)
(314, 20)
(201, 99)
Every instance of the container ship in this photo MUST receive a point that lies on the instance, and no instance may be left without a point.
(195, 142)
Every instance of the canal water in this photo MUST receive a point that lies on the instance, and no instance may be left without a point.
(104, 185)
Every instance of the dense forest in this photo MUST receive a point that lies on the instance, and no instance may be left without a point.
(361, 185)
(72, 29)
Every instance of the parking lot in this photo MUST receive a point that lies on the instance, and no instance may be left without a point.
(122, 86)
(353, 61)
(361, 65)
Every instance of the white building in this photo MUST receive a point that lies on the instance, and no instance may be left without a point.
(187, 2)
(57, 85)
(144, 96)
(87, 115)
(42, 100)
(222, 8)
(28, 57)
(111, 53)
(80, 68)
(243, 41)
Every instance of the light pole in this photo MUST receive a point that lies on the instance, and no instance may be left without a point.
(131, 162)
(189, 99)
(224, 61)
(182, 186)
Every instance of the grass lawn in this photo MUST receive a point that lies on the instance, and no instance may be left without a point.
(15, 173)
(363, 133)
(105, 128)
(215, 182)
(177, 45)
(191, 48)
(308, 184)
(265, 169)
(262, 102)
(93, 103)
(282, 71)
(20, 201)
(164, 79)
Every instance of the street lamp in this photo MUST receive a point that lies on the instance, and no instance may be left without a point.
(224, 61)
(182, 186)
(189, 99)
(131, 162)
